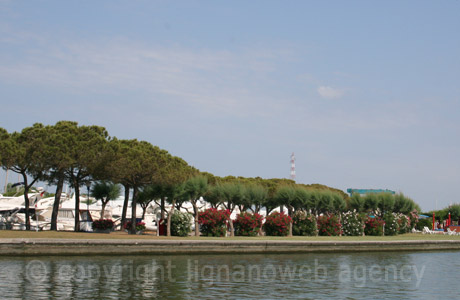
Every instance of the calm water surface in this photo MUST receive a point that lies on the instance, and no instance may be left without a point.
(386, 275)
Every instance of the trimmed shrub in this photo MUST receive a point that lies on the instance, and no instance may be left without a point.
(304, 224)
(247, 224)
(391, 223)
(213, 222)
(181, 223)
(329, 225)
(352, 224)
(139, 226)
(403, 223)
(373, 226)
(277, 224)
(103, 224)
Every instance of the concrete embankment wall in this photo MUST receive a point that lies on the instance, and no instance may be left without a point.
(37, 247)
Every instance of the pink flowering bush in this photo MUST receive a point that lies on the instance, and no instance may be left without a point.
(247, 224)
(277, 224)
(213, 222)
(329, 225)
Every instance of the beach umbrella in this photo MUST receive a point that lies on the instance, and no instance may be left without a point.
(448, 224)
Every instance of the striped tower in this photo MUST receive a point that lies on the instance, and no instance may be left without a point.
(292, 166)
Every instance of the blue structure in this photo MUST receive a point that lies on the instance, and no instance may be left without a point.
(368, 191)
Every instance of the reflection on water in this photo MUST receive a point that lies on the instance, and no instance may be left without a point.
(389, 275)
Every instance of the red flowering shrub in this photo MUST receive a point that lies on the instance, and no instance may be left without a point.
(374, 226)
(277, 224)
(329, 225)
(213, 222)
(103, 224)
(139, 226)
(247, 224)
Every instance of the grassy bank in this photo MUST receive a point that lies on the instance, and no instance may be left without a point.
(9, 234)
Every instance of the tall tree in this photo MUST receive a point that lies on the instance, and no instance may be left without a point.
(136, 164)
(78, 153)
(194, 189)
(22, 153)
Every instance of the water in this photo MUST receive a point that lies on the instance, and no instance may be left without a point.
(385, 275)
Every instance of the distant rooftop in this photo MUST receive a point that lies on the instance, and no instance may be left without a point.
(368, 191)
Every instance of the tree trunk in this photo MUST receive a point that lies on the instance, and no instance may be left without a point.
(57, 201)
(26, 200)
(144, 209)
(290, 222)
(162, 208)
(195, 215)
(77, 205)
(232, 230)
(133, 211)
(170, 213)
(103, 208)
(125, 207)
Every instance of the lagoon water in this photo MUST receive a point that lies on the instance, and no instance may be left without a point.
(382, 275)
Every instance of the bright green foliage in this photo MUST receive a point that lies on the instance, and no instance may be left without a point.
(356, 203)
(304, 224)
(256, 196)
(193, 189)
(181, 223)
(247, 224)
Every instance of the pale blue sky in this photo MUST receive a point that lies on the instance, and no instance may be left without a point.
(366, 93)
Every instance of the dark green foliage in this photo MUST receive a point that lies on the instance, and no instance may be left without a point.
(391, 224)
(304, 224)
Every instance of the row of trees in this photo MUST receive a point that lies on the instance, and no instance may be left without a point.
(79, 155)
(256, 194)
(67, 152)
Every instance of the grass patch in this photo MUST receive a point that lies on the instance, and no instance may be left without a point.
(10, 234)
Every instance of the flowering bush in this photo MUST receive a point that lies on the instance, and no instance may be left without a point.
(139, 226)
(373, 226)
(247, 224)
(352, 224)
(277, 224)
(181, 223)
(103, 224)
(403, 223)
(304, 223)
(391, 223)
(329, 225)
(413, 217)
(213, 222)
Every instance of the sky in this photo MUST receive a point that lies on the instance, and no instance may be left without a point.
(365, 93)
